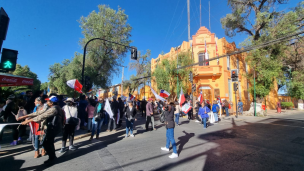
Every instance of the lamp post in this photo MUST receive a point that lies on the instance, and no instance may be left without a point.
(85, 50)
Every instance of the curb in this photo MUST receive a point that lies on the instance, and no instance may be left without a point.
(82, 136)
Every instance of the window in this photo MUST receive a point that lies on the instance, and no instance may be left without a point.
(228, 62)
(216, 93)
(201, 57)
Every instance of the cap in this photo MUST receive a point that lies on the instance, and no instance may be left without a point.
(150, 99)
(70, 100)
(52, 99)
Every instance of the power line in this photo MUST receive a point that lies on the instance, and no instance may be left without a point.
(247, 49)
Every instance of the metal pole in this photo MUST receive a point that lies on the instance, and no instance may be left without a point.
(188, 3)
(200, 13)
(177, 74)
(235, 103)
(122, 81)
(254, 96)
(1, 41)
(209, 18)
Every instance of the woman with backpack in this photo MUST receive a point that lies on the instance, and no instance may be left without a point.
(169, 121)
(98, 118)
(71, 113)
(215, 110)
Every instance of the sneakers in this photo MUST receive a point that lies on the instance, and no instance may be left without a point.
(14, 143)
(173, 155)
(63, 150)
(72, 147)
(164, 149)
(197, 121)
(131, 135)
(19, 139)
(29, 139)
(126, 136)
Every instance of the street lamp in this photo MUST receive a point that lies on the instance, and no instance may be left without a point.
(133, 53)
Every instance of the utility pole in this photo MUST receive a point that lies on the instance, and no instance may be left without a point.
(209, 18)
(177, 72)
(254, 95)
(235, 91)
(188, 4)
(122, 77)
(200, 13)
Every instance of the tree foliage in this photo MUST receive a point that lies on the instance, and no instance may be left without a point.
(165, 74)
(142, 66)
(262, 22)
(26, 72)
(103, 59)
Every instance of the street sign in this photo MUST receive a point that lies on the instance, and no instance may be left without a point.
(234, 75)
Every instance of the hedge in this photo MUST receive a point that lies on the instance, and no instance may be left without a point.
(286, 104)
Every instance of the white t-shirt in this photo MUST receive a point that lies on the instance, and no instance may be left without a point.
(70, 111)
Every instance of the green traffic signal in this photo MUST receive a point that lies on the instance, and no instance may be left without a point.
(7, 65)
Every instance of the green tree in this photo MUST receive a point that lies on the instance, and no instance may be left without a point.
(44, 86)
(142, 66)
(165, 74)
(262, 22)
(26, 72)
(103, 59)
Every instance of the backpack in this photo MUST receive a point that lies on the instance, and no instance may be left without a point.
(162, 117)
(217, 109)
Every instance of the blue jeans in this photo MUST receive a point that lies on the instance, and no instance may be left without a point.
(177, 118)
(129, 126)
(204, 121)
(96, 125)
(226, 109)
(106, 119)
(36, 142)
(215, 117)
(170, 138)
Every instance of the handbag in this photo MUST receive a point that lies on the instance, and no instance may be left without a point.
(99, 115)
(162, 117)
(72, 120)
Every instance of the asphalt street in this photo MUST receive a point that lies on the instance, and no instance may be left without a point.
(274, 142)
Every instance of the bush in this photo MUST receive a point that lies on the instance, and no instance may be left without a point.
(287, 104)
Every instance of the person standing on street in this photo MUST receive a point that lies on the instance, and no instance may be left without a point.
(51, 123)
(197, 106)
(143, 108)
(83, 103)
(70, 111)
(169, 121)
(226, 107)
(240, 107)
(215, 110)
(279, 106)
(203, 113)
(99, 113)
(90, 110)
(121, 109)
(130, 113)
(114, 108)
(150, 114)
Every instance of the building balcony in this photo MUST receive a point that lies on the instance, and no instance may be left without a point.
(211, 70)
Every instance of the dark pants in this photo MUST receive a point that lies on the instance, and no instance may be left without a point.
(190, 115)
(68, 131)
(113, 120)
(48, 144)
(82, 118)
(148, 121)
(15, 132)
(197, 118)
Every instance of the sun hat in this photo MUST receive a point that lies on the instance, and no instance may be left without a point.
(70, 100)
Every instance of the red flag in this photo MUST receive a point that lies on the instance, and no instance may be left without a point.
(75, 84)
(182, 98)
(200, 98)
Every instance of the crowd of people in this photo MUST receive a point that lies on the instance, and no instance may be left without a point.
(48, 116)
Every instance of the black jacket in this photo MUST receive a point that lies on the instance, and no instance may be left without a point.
(121, 108)
(7, 114)
(130, 114)
(169, 116)
(114, 108)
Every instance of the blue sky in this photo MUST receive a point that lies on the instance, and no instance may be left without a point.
(46, 32)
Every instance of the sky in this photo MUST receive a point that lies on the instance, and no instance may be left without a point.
(47, 31)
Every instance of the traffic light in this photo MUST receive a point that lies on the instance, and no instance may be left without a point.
(190, 76)
(235, 86)
(8, 59)
(87, 83)
(234, 75)
(134, 53)
(4, 21)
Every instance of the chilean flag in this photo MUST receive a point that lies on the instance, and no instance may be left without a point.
(164, 93)
(182, 98)
(200, 98)
(206, 53)
(131, 97)
(74, 84)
